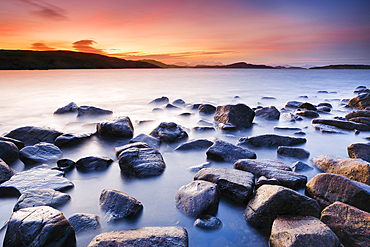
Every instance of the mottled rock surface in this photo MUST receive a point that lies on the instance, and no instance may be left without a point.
(120, 127)
(225, 151)
(239, 115)
(300, 166)
(361, 101)
(84, 222)
(40, 153)
(30, 135)
(269, 113)
(270, 140)
(299, 153)
(206, 109)
(169, 132)
(359, 151)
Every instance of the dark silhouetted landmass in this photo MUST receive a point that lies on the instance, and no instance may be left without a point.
(241, 65)
(343, 66)
(160, 64)
(24, 59)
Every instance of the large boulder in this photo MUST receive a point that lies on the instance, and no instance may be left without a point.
(355, 169)
(70, 108)
(150, 140)
(269, 113)
(198, 198)
(239, 115)
(350, 224)
(359, 151)
(299, 153)
(234, 184)
(5, 172)
(41, 197)
(71, 139)
(84, 111)
(8, 152)
(84, 222)
(18, 143)
(302, 231)
(327, 188)
(342, 124)
(270, 140)
(116, 128)
(39, 226)
(273, 200)
(30, 135)
(141, 162)
(93, 163)
(40, 153)
(206, 109)
(225, 151)
(118, 204)
(361, 101)
(169, 132)
(143, 237)
(198, 144)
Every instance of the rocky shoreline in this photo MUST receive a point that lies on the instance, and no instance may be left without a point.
(334, 210)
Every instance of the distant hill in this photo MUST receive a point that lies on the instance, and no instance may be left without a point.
(25, 59)
(240, 65)
(343, 66)
(160, 64)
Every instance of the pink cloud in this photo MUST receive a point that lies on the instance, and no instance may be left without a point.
(85, 45)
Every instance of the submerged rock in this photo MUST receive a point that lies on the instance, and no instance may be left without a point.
(70, 139)
(195, 145)
(270, 140)
(239, 115)
(203, 128)
(30, 135)
(300, 166)
(361, 101)
(169, 132)
(5, 172)
(299, 153)
(307, 106)
(359, 151)
(199, 167)
(8, 152)
(70, 108)
(93, 163)
(323, 128)
(293, 104)
(120, 127)
(120, 149)
(84, 111)
(206, 109)
(40, 153)
(358, 113)
(341, 124)
(224, 151)
(150, 140)
(18, 143)
(84, 222)
(208, 222)
(162, 100)
(66, 165)
(307, 113)
(269, 113)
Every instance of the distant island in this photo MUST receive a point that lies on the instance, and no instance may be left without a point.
(344, 66)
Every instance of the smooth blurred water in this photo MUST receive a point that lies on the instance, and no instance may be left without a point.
(29, 98)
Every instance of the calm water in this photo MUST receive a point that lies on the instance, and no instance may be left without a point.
(31, 97)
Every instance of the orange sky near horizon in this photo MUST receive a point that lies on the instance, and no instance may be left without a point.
(194, 31)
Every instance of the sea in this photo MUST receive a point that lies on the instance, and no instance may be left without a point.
(29, 98)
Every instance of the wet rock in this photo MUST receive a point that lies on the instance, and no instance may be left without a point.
(119, 205)
(350, 224)
(38, 178)
(361, 101)
(171, 107)
(30, 135)
(362, 120)
(18, 143)
(307, 106)
(150, 140)
(6, 192)
(302, 231)
(178, 102)
(326, 104)
(327, 188)
(199, 167)
(263, 180)
(323, 128)
(203, 129)
(8, 152)
(272, 169)
(292, 117)
(322, 91)
(239, 115)
(84, 222)
(307, 113)
(270, 140)
(120, 149)
(293, 104)
(40, 153)
(234, 184)
(5, 172)
(359, 151)
(39, 226)
(185, 114)
(301, 133)
(300, 166)
(206, 109)
(84, 111)
(205, 123)
(286, 128)
(147, 236)
(358, 113)
(41, 197)
(70, 139)
(198, 198)
(120, 127)
(70, 108)
(194, 145)
(208, 222)
(269, 113)
(271, 201)
(323, 109)
(299, 153)
(227, 126)
(355, 169)
(224, 151)
(162, 100)
(193, 107)
(169, 132)
(66, 165)
(93, 163)
(141, 162)
(341, 124)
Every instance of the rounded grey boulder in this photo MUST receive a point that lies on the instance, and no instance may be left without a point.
(169, 132)
(40, 153)
(8, 152)
(116, 128)
(83, 222)
(93, 163)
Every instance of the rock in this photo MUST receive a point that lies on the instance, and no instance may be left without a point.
(198, 198)
(84, 111)
(66, 165)
(6, 192)
(327, 188)
(350, 224)
(162, 100)
(199, 167)
(193, 107)
(268, 98)
(146, 236)
(18, 143)
(39, 226)
(70, 139)
(194, 145)
(40, 153)
(205, 123)
(323, 128)
(342, 124)
(326, 104)
(293, 104)
(185, 114)
(303, 97)
(271, 201)
(224, 151)
(358, 113)
(301, 231)
(300, 166)
(263, 180)
(272, 169)
(5, 172)
(178, 102)
(270, 140)
(206, 109)
(361, 120)
(70, 108)
(269, 113)
(307, 113)
(170, 107)
(287, 128)
(323, 109)
(120, 149)
(150, 140)
(30, 135)
(227, 126)
(8, 152)
(120, 127)
(233, 184)
(299, 153)
(41, 197)
(355, 169)
(93, 163)
(239, 115)
(300, 133)
(361, 101)
(359, 151)
(119, 205)
(292, 117)
(203, 129)
(322, 91)
(84, 222)
(169, 132)
(208, 222)
(307, 106)
(38, 178)
(141, 162)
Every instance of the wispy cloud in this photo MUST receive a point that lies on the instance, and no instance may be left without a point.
(86, 45)
(46, 10)
(41, 46)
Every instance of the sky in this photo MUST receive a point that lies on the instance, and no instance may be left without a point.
(273, 32)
